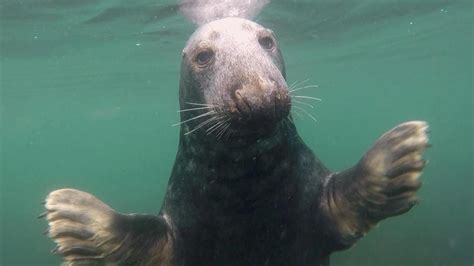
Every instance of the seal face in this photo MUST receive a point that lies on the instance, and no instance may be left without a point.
(245, 189)
(235, 67)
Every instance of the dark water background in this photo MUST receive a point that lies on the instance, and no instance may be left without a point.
(89, 91)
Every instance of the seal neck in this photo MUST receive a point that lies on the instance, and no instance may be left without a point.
(198, 146)
(232, 181)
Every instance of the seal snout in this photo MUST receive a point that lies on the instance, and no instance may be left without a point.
(261, 99)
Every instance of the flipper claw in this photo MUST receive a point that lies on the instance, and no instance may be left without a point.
(55, 250)
(42, 215)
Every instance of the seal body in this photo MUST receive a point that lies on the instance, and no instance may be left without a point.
(250, 207)
(245, 189)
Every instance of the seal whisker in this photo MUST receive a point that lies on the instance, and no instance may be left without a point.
(302, 88)
(303, 103)
(227, 129)
(202, 124)
(216, 126)
(289, 119)
(202, 104)
(306, 97)
(297, 83)
(229, 132)
(196, 117)
(213, 125)
(223, 130)
(297, 114)
(218, 134)
(193, 109)
(307, 113)
(292, 84)
(287, 122)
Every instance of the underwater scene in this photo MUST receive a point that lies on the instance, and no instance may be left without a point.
(90, 101)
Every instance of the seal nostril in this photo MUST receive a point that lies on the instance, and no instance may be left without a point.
(237, 93)
(241, 102)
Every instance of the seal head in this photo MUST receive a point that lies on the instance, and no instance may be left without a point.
(234, 67)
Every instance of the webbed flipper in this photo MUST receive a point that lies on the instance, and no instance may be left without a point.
(381, 185)
(88, 232)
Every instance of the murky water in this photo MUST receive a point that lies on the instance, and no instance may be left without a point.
(89, 93)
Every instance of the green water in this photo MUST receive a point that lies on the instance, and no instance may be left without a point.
(89, 91)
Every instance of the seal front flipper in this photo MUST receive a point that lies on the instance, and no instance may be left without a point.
(382, 184)
(88, 232)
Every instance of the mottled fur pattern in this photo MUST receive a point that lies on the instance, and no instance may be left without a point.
(249, 191)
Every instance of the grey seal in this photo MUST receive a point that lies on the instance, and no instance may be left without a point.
(245, 189)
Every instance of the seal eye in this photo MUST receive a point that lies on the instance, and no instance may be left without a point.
(204, 57)
(266, 42)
